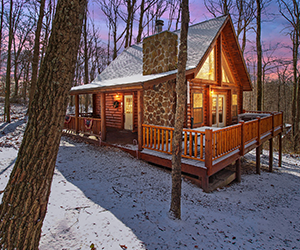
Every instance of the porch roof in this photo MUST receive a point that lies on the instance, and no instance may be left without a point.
(130, 82)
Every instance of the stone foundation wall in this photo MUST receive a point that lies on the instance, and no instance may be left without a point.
(160, 104)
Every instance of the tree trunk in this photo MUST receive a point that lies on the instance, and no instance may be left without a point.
(141, 28)
(1, 27)
(175, 209)
(259, 56)
(86, 60)
(25, 197)
(8, 68)
(36, 52)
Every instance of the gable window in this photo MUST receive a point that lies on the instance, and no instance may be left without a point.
(198, 108)
(207, 70)
(226, 74)
(234, 106)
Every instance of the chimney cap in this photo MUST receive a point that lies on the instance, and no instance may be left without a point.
(158, 25)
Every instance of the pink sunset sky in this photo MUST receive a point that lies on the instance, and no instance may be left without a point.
(273, 32)
(272, 26)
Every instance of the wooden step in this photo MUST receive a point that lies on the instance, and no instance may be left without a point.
(221, 179)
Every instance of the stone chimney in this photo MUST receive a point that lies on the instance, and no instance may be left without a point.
(160, 53)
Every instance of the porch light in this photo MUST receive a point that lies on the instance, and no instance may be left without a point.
(212, 92)
(117, 95)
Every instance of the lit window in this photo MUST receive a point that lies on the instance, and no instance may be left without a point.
(234, 105)
(207, 70)
(226, 74)
(198, 108)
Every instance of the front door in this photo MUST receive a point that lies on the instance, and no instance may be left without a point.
(128, 112)
(218, 110)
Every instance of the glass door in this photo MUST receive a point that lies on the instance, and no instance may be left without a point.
(128, 112)
(218, 111)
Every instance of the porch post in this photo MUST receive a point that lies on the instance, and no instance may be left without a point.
(76, 113)
(271, 155)
(103, 117)
(140, 120)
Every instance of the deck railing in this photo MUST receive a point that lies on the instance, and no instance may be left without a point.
(160, 139)
(250, 131)
(213, 147)
(225, 141)
(69, 122)
(86, 125)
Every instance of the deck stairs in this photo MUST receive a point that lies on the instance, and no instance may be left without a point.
(221, 179)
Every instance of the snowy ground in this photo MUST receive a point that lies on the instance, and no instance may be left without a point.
(106, 197)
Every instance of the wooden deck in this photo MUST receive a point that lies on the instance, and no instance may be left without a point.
(205, 153)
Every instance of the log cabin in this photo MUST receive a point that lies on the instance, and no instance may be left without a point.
(136, 93)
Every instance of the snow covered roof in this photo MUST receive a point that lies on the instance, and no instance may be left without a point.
(127, 68)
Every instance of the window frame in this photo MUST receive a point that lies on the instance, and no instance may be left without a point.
(226, 70)
(198, 76)
(234, 106)
(200, 108)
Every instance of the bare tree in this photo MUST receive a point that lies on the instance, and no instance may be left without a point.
(49, 16)
(128, 18)
(111, 10)
(26, 195)
(148, 12)
(245, 15)
(21, 37)
(1, 27)
(8, 65)
(174, 13)
(290, 10)
(259, 55)
(36, 51)
(219, 7)
(86, 58)
(175, 209)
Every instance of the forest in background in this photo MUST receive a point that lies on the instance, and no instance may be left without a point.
(26, 27)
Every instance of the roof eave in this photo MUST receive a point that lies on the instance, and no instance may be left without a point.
(120, 87)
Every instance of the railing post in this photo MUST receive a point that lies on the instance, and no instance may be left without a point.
(208, 150)
(242, 149)
(76, 113)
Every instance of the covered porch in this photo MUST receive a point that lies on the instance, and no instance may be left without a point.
(116, 116)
